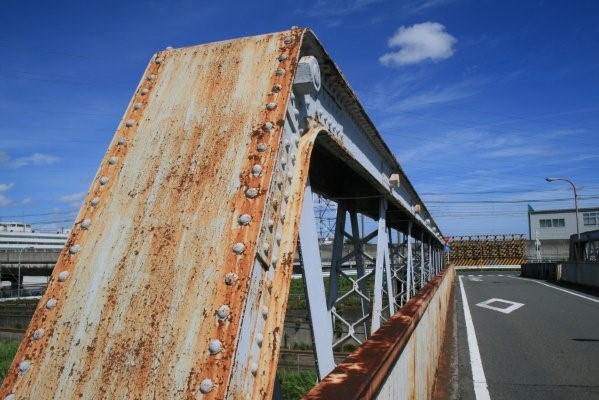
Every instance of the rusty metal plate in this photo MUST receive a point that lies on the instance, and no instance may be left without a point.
(147, 297)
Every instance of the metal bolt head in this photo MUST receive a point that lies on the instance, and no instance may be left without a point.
(264, 311)
(280, 72)
(63, 276)
(288, 40)
(144, 92)
(259, 339)
(223, 312)
(50, 304)
(95, 201)
(159, 60)
(273, 260)
(129, 123)
(283, 57)
(38, 334)
(86, 223)
(261, 147)
(257, 170)
(277, 88)
(271, 106)
(251, 193)
(231, 278)
(206, 386)
(268, 126)
(286, 195)
(24, 366)
(271, 224)
(137, 106)
(151, 78)
(113, 160)
(244, 219)
(103, 180)
(122, 141)
(74, 249)
(265, 248)
(215, 346)
(254, 368)
(238, 248)
(278, 237)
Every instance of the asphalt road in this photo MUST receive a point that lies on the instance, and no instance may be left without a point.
(545, 348)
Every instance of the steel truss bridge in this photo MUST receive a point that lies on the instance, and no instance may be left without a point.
(174, 280)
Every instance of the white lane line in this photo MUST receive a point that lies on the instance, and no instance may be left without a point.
(556, 288)
(481, 390)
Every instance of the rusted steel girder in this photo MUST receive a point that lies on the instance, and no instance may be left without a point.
(174, 281)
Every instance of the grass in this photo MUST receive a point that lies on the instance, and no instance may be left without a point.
(296, 383)
(7, 353)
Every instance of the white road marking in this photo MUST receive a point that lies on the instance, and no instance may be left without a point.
(474, 279)
(513, 306)
(481, 390)
(556, 288)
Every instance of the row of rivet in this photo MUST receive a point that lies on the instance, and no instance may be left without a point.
(38, 334)
(215, 345)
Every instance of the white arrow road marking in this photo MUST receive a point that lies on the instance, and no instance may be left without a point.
(512, 305)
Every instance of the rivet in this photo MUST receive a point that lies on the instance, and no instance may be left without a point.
(280, 72)
(268, 286)
(86, 223)
(271, 106)
(24, 366)
(251, 193)
(206, 386)
(63, 276)
(268, 126)
(289, 175)
(259, 339)
(137, 106)
(122, 141)
(74, 249)
(273, 260)
(215, 346)
(283, 162)
(286, 143)
(244, 219)
(254, 368)
(130, 123)
(144, 92)
(103, 180)
(261, 147)
(286, 195)
(288, 40)
(231, 278)
(266, 247)
(151, 78)
(95, 201)
(265, 311)
(257, 170)
(159, 60)
(278, 237)
(113, 160)
(283, 57)
(292, 96)
(238, 248)
(169, 47)
(296, 111)
(293, 159)
(277, 88)
(38, 334)
(223, 312)
(296, 141)
(50, 304)
(282, 216)
(271, 224)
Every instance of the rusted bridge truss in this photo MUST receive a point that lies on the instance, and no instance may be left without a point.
(175, 278)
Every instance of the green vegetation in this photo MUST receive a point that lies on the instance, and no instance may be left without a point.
(296, 383)
(7, 353)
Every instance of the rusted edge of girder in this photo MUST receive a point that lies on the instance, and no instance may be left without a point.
(362, 374)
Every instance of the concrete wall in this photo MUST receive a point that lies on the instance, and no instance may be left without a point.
(581, 273)
(551, 250)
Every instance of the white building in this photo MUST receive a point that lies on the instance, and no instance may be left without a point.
(560, 224)
(18, 235)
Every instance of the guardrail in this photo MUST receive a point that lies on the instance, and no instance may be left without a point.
(399, 360)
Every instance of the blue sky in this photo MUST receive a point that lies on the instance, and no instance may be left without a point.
(479, 100)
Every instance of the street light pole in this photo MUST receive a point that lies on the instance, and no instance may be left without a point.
(575, 205)
(19, 270)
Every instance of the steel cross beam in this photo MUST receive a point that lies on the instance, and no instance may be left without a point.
(175, 278)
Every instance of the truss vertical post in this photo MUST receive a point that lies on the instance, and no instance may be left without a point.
(410, 263)
(430, 258)
(337, 251)
(423, 277)
(320, 321)
(359, 257)
(382, 265)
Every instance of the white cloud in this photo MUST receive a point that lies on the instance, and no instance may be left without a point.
(5, 187)
(36, 159)
(419, 42)
(73, 200)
